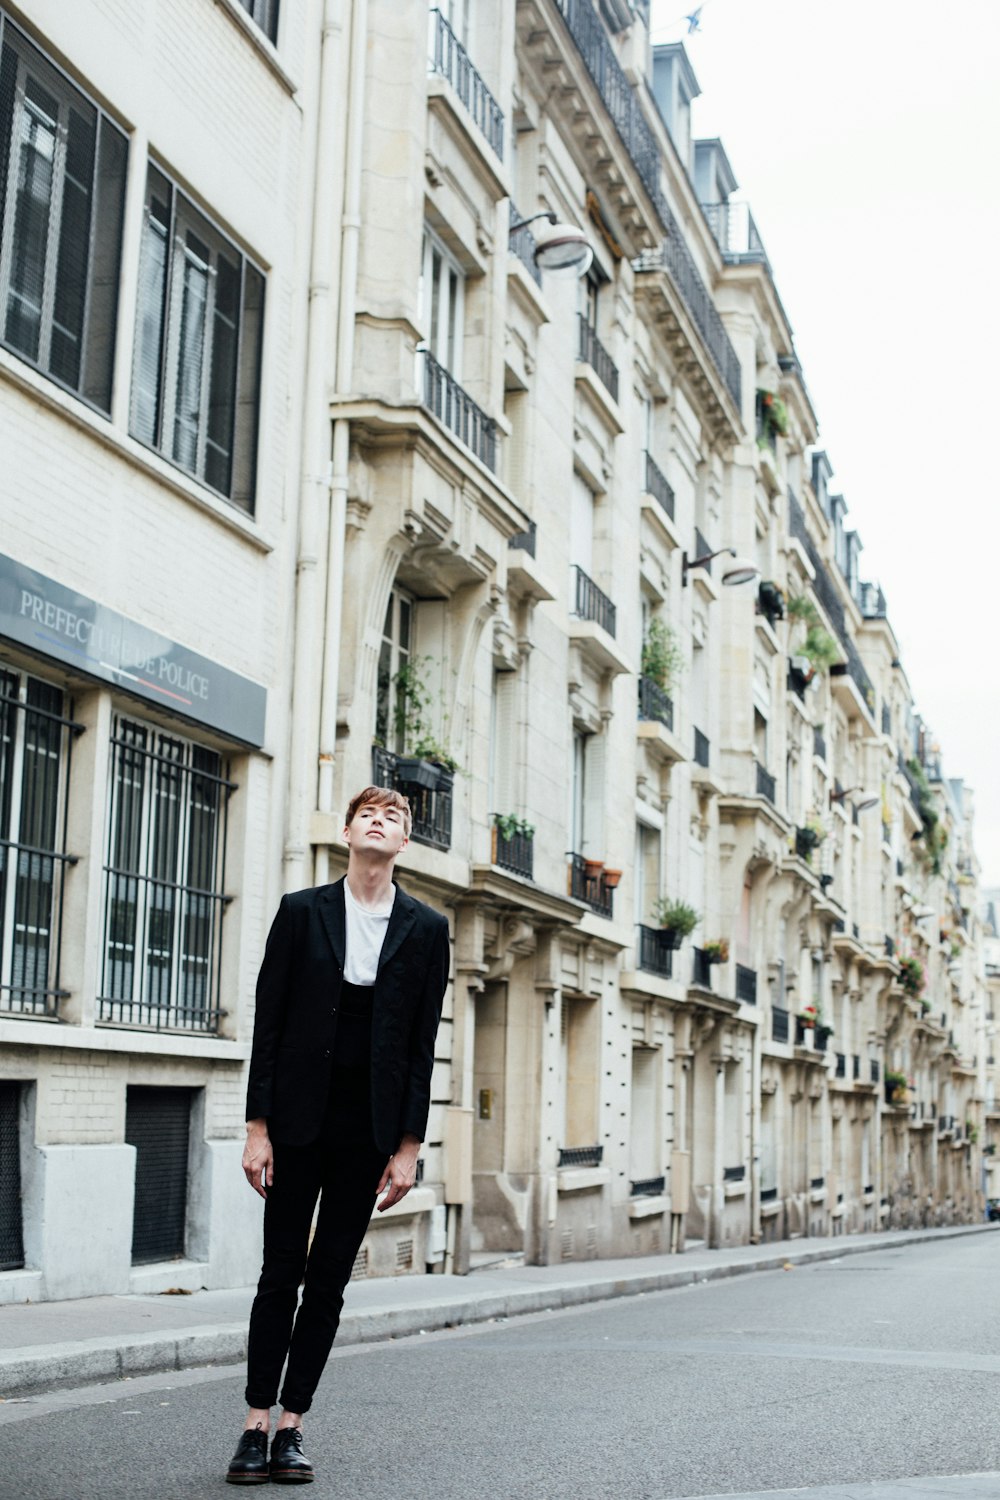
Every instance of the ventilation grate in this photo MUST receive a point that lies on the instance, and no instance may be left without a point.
(11, 1239)
(404, 1255)
(157, 1124)
(360, 1268)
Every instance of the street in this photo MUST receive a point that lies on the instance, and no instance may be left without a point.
(879, 1367)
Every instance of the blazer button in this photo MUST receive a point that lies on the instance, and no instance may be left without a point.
(326, 1054)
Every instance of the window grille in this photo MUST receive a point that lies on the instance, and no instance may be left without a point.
(265, 13)
(163, 882)
(62, 200)
(11, 1240)
(35, 742)
(196, 375)
(157, 1124)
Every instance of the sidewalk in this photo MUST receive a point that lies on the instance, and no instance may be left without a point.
(49, 1344)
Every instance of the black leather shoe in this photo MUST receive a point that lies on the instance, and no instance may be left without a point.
(249, 1462)
(289, 1464)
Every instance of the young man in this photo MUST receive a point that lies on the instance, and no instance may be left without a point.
(348, 1004)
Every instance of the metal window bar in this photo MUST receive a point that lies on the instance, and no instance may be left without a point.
(654, 703)
(36, 739)
(873, 1070)
(590, 889)
(450, 59)
(522, 244)
(815, 1183)
(702, 749)
(701, 549)
(736, 233)
(767, 785)
(841, 1069)
(768, 1195)
(656, 952)
(746, 984)
(157, 1124)
(734, 1174)
(779, 1024)
(164, 880)
(855, 1066)
(701, 974)
(430, 806)
(590, 603)
(580, 1156)
(821, 1035)
(594, 354)
(647, 1187)
(658, 486)
(515, 853)
(456, 409)
(11, 1235)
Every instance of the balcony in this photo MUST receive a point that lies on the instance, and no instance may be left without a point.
(840, 1071)
(449, 59)
(779, 1024)
(872, 601)
(647, 1187)
(524, 541)
(589, 603)
(656, 952)
(456, 409)
(702, 969)
(427, 786)
(767, 785)
(654, 703)
(657, 486)
(734, 1174)
(516, 853)
(746, 984)
(736, 233)
(580, 1156)
(522, 244)
(593, 353)
(587, 884)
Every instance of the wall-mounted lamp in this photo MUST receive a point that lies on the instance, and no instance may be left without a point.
(560, 249)
(863, 806)
(740, 570)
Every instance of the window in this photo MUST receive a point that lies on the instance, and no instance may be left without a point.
(265, 13)
(645, 1151)
(163, 881)
(196, 377)
(34, 775)
(62, 196)
(394, 653)
(581, 526)
(442, 304)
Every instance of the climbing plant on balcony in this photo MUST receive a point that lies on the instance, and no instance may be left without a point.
(801, 607)
(912, 976)
(412, 713)
(662, 658)
(932, 838)
(773, 413)
(820, 648)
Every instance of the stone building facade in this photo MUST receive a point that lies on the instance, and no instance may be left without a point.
(479, 532)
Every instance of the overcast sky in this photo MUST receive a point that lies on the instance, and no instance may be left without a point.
(866, 138)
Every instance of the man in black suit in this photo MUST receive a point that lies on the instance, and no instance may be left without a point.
(348, 1004)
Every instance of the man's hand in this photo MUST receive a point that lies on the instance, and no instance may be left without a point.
(258, 1157)
(400, 1172)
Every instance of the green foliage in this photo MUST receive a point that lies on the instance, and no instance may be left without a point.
(911, 975)
(717, 950)
(894, 1080)
(933, 835)
(510, 826)
(662, 657)
(675, 916)
(821, 648)
(801, 607)
(412, 714)
(774, 412)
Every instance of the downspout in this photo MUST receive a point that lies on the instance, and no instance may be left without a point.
(344, 378)
(315, 473)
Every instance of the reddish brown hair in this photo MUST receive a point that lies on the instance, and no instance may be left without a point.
(382, 796)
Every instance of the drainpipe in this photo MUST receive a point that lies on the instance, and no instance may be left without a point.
(315, 472)
(344, 379)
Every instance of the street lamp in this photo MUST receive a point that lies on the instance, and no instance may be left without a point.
(740, 570)
(561, 249)
(863, 806)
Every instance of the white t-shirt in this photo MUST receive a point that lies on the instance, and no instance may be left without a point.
(365, 935)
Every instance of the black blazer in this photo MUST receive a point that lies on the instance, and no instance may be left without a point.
(298, 992)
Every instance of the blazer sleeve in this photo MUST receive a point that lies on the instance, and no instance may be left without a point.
(417, 1094)
(271, 989)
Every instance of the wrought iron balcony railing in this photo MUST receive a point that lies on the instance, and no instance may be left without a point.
(656, 953)
(658, 487)
(872, 601)
(590, 887)
(522, 244)
(779, 1024)
(734, 1174)
(746, 984)
(736, 233)
(589, 603)
(594, 354)
(647, 1187)
(456, 409)
(654, 703)
(450, 59)
(768, 1195)
(767, 785)
(430, 797)
(702, 749)
(580, 1156)
(516, 854)
(674, 257)
(841, 1068)
(702, 969)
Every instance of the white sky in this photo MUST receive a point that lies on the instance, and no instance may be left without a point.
(866, 138)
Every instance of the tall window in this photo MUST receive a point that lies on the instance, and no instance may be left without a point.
(163, 881)
(62, 196)
(34, 772)
(265, 13)
(581, 526)
(196, 379)
(442, 304)
(394, 653)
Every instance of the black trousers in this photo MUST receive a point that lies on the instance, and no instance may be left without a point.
(342, 1167)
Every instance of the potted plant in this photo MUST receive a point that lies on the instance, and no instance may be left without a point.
(611, 878)
(800, 608)
(662, 658)
(820, 648)
(593, 868)
(808, 1016)
(773, 415)
(716, 951)
(808, 837)
(676, 920)
(771, 601)
(911, 976)
(896, 1087)
(508, 827)
(971, 1132)
(427, 757)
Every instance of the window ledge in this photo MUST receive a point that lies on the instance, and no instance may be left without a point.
(771, 1210)
(736, 1189)
(579, 1179)
(647, 1208)
(260, 42)
(126, 447)
(31, 1033)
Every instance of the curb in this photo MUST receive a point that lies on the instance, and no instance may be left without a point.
(49, 1366)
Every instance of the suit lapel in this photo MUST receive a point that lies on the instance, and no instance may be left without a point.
(334, 918)
(404, 911)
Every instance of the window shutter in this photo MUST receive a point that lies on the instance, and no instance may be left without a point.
(593, 796)
(109, 218)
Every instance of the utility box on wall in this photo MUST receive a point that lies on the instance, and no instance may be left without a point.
(680, 1181)
(458, 1155)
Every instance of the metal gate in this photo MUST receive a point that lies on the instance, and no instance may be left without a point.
(157, 1124)
(11, 1241)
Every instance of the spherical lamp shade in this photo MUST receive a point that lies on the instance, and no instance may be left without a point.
(562, 250)
(740, 570)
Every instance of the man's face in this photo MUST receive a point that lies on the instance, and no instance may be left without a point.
(376, 830)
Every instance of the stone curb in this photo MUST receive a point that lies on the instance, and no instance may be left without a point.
(49, 1366)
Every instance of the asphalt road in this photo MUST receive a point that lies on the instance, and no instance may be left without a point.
(848, 1374)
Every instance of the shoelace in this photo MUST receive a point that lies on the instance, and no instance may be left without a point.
(257, 1436)
(289, 1435)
